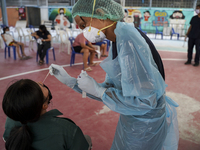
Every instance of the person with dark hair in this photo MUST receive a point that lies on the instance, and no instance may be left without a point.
(29, 126)
(43, 42)
(9, 40)
(193, 34)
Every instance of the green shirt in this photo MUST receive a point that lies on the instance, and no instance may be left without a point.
(52, 133)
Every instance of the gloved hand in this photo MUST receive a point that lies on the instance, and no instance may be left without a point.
(60, 73)
(89, 85)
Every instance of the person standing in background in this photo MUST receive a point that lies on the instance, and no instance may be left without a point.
(193, 34)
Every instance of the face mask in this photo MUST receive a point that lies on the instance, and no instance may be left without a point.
(7, 32)
(197, 11)
(93, 35)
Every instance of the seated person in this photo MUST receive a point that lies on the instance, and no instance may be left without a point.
(8, 39)
(30, 126)
(81, 47)
(43, 41)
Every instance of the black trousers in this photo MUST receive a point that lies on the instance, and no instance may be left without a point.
(191, 43)
(42, 49)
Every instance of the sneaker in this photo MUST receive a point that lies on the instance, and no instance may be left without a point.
(187, 62)
(196, 64)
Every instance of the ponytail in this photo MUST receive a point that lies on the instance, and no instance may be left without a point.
(22, 102)
(19, 139)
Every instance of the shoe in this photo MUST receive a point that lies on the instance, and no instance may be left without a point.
(88, 69)
(196, 64)
(28, 57)
(187, 62)
(94, 64)
(41, 62)
(104, 55)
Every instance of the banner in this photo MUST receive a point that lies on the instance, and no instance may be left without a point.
(147, 19)
(61, 16)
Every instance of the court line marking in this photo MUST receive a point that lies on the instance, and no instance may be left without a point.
(171, 51)
(39, 70)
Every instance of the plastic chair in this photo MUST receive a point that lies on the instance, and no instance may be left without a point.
(31, 28)
(3, 26)
(14, 50)
(158, 32)
(145, 32)
(21, 34)
(71, 39)
(173, 32)
(47, 55)
(64, 40)
(108, 43)
(31, 39)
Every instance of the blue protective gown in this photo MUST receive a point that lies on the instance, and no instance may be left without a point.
(136, 90)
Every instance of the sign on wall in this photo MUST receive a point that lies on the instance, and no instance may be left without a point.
(149, 19)
(61, 16)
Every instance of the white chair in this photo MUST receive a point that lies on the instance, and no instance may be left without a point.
(52, 36)
(64, 38)
(21, 34)
(75, 30)
(31, 40)
(57, 32)
(69, 32)
(97, 47)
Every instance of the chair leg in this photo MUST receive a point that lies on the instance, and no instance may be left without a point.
(74, 59)
(5, 52)
(47, 57)
(14, 53)
(54, 57)
(8, 51)
(37, 56)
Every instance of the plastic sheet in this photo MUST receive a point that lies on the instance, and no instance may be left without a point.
(136, 90)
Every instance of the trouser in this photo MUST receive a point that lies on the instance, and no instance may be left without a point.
(42, 49)
(191, 43)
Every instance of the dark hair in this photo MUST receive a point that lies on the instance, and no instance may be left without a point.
(22, 102)
(4, 29)
(147, 12)
(198, 5)
(177, 11)
(43, 28)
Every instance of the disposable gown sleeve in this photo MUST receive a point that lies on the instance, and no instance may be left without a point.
(141, 83)
(77, 89)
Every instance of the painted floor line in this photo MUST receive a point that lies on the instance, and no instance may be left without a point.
(34, 71)
(172, 51)
(174, 59)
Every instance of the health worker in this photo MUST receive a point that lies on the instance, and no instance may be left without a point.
(134, 85)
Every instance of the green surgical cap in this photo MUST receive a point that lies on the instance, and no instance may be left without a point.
(104, 9)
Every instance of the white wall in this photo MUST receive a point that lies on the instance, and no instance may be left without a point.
(44, 14)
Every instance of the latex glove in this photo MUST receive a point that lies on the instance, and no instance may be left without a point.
(89, 85)
(60, 73)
